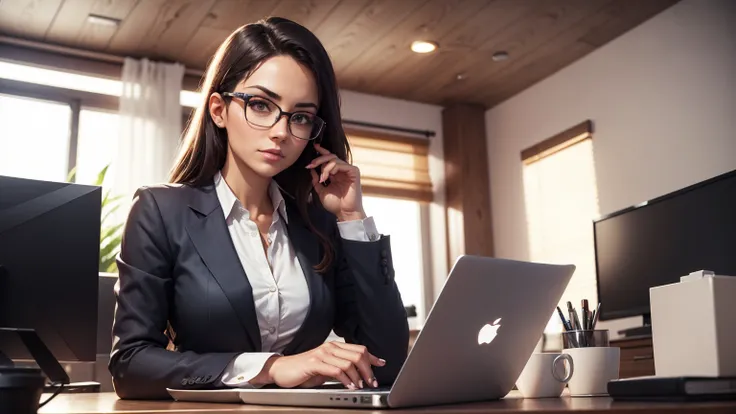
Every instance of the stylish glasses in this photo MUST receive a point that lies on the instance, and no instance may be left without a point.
(264, 113)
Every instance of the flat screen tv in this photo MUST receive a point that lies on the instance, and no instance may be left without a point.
(658, 241)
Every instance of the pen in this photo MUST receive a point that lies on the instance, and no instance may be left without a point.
(568, 327)
(577, 320)
(590, 319)
(565, 324)
(596, 315)
(572, 317)
(584, 311)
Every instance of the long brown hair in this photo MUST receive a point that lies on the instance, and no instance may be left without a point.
(204, 148)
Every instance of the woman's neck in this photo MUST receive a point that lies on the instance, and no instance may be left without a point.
(250, 188)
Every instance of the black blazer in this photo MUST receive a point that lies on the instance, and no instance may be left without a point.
(178, 266)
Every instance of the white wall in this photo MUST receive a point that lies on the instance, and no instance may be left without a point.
(663, 101)
(395, 112)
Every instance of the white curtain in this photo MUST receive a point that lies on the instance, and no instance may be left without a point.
(150, 124)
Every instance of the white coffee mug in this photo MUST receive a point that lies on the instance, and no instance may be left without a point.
(594, 367)
(544, 375)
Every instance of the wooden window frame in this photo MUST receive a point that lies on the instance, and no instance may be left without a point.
(558, 142)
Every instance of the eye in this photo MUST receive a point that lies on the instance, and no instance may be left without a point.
(302, 118)
(260, 105)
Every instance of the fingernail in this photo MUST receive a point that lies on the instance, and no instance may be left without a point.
(309, 166)
(375, 384)
(351, 386)
(360, 383)
(382, 361)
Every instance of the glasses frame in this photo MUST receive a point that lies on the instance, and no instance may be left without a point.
(246, 97)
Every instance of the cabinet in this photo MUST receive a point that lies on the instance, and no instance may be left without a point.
(637, 356)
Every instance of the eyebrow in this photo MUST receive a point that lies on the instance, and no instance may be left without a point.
(273, 95)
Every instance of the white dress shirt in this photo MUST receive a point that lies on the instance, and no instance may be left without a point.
(280, 291)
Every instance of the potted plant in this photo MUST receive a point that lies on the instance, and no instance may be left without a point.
(111, 233)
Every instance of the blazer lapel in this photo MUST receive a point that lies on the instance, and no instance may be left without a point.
(306, 244)
(208, 231)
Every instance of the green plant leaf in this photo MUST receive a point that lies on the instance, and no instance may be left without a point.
(72, 176)
(101, 176)
(109, 265)
(109, 232)
(110, 247)
(113, 267)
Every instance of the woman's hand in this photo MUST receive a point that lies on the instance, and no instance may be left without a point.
(348, 363)
(343, 196)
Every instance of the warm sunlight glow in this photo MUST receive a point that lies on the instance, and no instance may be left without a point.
(20, 135)
(561, 202)
(75, 81)
(401, 220)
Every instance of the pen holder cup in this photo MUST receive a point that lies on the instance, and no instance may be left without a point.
(585, 338)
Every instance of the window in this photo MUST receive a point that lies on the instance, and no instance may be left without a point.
(402, 221)
(43, 150)
(29, 148)
(561, 200)
(98, 140)
(392, 165)
(397, 189)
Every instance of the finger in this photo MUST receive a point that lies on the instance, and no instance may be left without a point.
(347, 367)
(320, 149)
(332, 371)
(344, 167)
(327, 169)
(359, 360)
(374, 360)
(321, 160)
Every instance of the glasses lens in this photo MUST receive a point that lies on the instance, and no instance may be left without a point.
(305, 125)
(261, 112)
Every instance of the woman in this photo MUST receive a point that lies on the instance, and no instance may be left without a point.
(261, 246)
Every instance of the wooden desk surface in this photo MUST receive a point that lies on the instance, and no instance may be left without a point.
(99, 403)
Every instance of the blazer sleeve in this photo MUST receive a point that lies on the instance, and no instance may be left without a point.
(140, 364)
(369, 309)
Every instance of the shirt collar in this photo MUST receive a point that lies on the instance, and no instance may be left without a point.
(230, 202)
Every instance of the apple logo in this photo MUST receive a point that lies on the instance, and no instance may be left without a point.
(488, 332)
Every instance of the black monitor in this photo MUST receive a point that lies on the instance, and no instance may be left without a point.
(49, 261)
(657, 242)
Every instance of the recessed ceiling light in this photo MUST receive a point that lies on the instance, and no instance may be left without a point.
(102, 20)
(422, 46)
(499, 56)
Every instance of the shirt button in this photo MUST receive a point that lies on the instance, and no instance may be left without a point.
(272, 289)
(272, 329)
(373, 237)
(254, 233)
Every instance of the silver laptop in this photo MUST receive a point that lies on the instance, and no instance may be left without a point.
(477, 338)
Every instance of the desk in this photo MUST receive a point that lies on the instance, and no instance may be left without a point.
(109, 403)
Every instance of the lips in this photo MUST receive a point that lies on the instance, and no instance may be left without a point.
(274, 151)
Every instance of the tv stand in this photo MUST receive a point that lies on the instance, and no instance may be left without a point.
(639, 331)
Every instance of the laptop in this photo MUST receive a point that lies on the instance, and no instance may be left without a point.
(478, 336)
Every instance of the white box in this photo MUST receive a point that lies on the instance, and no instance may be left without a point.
(693, 327)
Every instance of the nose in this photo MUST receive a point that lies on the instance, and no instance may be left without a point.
(280, 130)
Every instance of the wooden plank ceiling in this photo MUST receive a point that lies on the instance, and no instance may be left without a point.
(368, 40)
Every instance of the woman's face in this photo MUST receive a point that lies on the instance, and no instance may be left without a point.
(267, 150)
